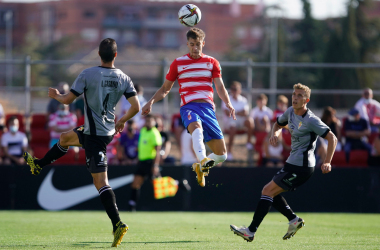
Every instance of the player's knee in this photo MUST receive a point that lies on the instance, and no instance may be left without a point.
(63, 139)
(220, 158)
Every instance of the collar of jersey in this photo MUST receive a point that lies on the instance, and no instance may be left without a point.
(195, 59)
(106, 67)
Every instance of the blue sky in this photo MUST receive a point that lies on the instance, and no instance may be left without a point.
(292, 8)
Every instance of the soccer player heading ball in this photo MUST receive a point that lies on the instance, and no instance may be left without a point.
(195, 73)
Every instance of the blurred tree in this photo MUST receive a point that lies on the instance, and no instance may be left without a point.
(30, 47)
(356, 41)
(58, 50)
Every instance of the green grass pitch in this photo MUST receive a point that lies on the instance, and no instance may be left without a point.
(184, 230)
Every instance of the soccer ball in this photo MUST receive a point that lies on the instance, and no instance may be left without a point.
(189, 15)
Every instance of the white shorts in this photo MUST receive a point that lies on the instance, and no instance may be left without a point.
(238, 123)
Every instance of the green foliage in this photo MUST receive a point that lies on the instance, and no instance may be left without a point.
(184, 230)
(43, 75)
(357, 40)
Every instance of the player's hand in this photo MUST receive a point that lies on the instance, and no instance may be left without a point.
(53, 93)
(119, 127)
(146, 109)
(231, 110)
(326, 168)
(273, 140)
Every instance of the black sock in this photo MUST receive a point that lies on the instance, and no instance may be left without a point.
(262, 209)
(56, 152)
(279, 203)
(107, 196)
(135, 193)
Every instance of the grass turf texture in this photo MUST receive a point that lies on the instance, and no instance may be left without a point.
(184, 230)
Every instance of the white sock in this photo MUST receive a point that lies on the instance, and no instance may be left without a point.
(198, 146)
(218, 158)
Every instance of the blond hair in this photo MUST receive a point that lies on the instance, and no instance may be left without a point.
(303, 87)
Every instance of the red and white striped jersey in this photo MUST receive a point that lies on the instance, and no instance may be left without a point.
(195, 77)
(67, 121)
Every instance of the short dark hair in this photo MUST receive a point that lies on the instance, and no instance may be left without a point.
(11, 119)
(107, 50)
(196, 33)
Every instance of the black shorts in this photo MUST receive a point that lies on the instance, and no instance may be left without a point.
(95, 148)
(145, 168)
(290, 176)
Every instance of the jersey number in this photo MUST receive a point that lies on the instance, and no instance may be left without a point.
(105, 105)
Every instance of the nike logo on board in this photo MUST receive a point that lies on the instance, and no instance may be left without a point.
(51, 198)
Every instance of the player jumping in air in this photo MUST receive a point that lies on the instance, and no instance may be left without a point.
(102, 87)
(304, 127)
(195, 72)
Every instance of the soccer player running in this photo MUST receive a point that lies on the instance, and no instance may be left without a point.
(304, 127)
(102, 87)
(195, 72)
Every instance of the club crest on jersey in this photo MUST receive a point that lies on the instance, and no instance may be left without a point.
(299, 125)
(81, 128)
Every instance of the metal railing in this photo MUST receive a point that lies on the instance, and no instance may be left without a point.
(248, 64)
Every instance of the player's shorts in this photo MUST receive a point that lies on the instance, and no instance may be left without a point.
(144, 168)
(204, 114)
(290, 176)
(95, 150)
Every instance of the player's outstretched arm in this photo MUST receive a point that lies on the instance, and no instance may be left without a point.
(223, 94)
(65, 99)
(332, 141)
(158, 96)
(132, 111)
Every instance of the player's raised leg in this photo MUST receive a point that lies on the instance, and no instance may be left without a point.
(196, 131)
(66, 139)
(218, 147)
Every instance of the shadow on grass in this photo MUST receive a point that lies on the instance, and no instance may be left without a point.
(141, 242)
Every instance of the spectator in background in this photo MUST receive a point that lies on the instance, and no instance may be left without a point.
(369, 109)
(111, 150)
(242, 121)
(329, 118)
(149, 148)
(2, 119)
(272, 155)
(177, 128)
(355, 129)
(63, 88)
(128, 143)
(79, 110)
(188, 156)
(61, 121)
(125, 105)
(261, 114)
(282, 106)
(14, 143)
(166, 143)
